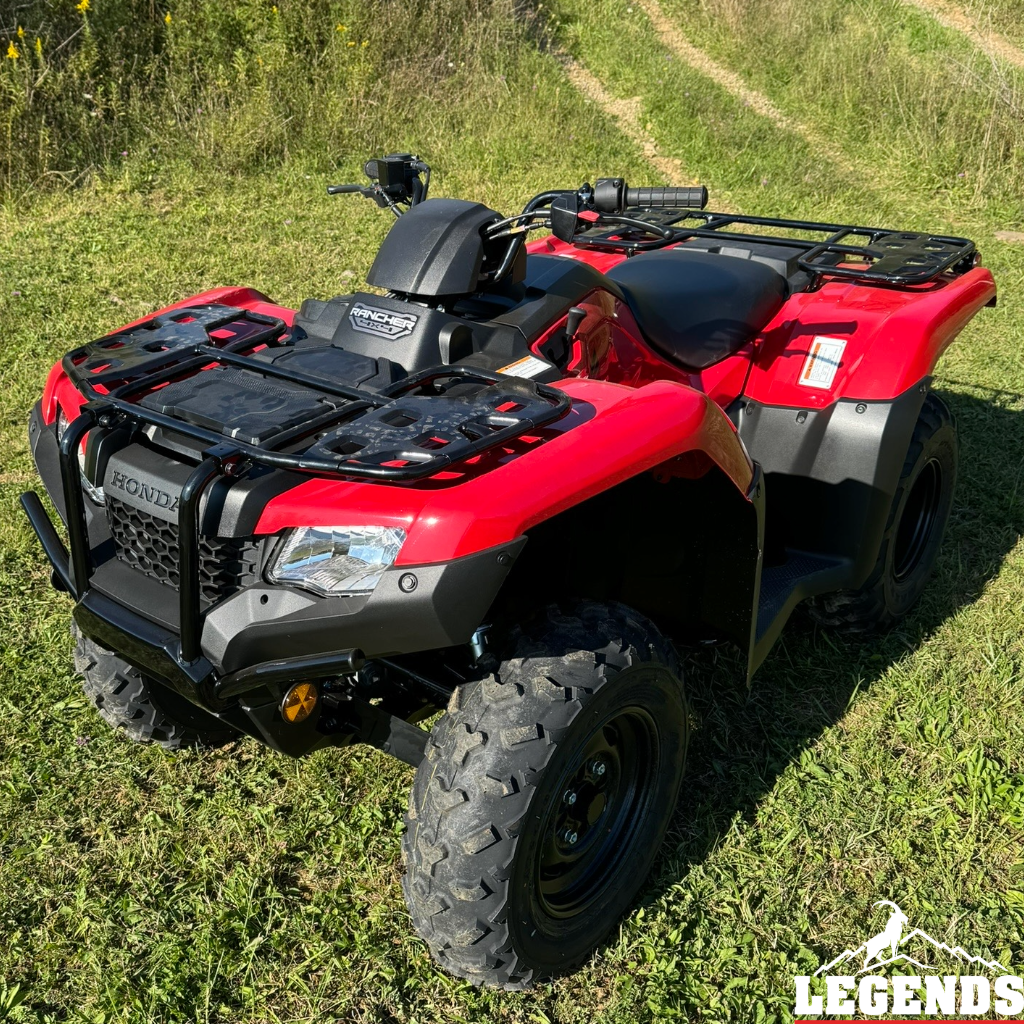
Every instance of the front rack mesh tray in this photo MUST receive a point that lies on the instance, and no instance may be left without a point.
(152, 374)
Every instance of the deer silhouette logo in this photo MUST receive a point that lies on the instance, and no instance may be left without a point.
(889, 936)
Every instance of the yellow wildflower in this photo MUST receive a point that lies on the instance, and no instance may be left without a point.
(82, 7)
(39, 46)
(341, 28)
(167, 18)
(21, 32)
(273, 10)
(351, 42)
(366, 42)
(12, 52)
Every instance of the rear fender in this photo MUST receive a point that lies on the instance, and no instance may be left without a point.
(889, 339)
(832, 453)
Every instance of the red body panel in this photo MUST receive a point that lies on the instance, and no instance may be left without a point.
(893, 338)
(586, 457)
(632, 409)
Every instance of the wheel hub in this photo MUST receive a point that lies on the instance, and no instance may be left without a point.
(603, 797)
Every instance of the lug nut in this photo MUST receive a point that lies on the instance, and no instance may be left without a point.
(598, 768)
(569, 836)
(569, 797)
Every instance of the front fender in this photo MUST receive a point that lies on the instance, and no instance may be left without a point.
(611, 434)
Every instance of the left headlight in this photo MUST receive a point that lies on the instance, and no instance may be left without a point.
(334, 561)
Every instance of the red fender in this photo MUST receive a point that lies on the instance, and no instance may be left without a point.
(611, 434)
(893, 338)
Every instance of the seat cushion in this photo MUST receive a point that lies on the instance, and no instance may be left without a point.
(699, 307)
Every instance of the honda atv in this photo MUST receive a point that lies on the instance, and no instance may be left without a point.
(493, 488)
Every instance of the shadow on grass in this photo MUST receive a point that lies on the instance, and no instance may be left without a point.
(746, 739)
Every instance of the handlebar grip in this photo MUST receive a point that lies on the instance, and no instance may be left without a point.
(334, 190)
(683, 198)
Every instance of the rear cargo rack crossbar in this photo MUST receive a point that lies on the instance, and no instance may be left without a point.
(531, 405)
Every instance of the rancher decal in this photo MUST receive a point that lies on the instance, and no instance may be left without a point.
(382, 322)
(873, 994)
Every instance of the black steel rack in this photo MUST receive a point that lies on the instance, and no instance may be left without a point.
(860, 254)
(410, 430)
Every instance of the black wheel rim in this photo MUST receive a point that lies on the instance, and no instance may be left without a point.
(597, 812)
(917, 520)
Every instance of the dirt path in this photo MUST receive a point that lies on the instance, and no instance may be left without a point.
(733, 84)
(989, 42)
(626, 113)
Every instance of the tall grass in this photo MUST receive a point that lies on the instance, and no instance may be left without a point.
(236, 87)
(886, 83)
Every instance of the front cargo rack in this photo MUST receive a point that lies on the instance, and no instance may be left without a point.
(410, 430)
(860, 254)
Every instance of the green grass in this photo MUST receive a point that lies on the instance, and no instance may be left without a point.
(1000, 16)
(240, 886)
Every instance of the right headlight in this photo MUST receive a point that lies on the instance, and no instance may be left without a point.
(336, 561)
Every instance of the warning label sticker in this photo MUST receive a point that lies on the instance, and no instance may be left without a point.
(822, 362)
(530, 366)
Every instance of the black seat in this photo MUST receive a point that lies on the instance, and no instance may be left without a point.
(699, 307)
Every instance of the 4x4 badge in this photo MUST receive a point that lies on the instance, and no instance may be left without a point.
(382, 322)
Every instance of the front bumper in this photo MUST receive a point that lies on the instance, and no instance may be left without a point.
(235, 659)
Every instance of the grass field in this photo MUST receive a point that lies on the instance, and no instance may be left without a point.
(240, 886)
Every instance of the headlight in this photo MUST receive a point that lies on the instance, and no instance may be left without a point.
(94, 492)
(336, 560)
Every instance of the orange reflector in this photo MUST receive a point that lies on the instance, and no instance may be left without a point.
(299, 702)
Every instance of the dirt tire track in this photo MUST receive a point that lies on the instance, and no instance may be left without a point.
(735, 86)
(988, 42)
(626, 113)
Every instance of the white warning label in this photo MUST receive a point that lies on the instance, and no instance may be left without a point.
(822, 362)
(530, 366)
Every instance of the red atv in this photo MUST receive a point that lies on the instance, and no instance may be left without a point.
(493, 489)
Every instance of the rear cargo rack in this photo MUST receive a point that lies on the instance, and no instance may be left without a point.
(411, 430)
(859, 254)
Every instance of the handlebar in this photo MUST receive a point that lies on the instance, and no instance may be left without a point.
(682, 198)
(613, 195)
